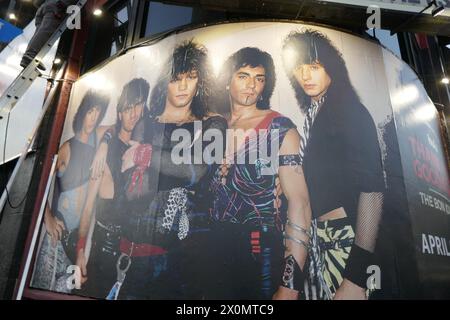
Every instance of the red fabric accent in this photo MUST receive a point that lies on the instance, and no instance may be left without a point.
(142, 158)
(139, 249)
(256, 250)
(255, 235)
(143, 155)
(264, 124)
(81, 244)
(422, 40)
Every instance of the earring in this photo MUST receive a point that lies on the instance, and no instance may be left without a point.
(260, 98)
(227, 87)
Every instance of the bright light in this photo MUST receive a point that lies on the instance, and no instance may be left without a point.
(98, 12)
(424, 113)
(290, 57)
(406, 96)
(57, 61)
(9, 71)
(97, 82)
(13, 60)
(12, 16)
(445, 81)
(217, 62)
(448, 46)
(22, 48)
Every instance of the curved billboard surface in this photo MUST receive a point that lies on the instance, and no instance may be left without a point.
(249, 161)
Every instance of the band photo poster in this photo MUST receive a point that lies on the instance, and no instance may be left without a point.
(257, 160)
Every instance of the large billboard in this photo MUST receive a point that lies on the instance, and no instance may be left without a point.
(425, 176)
(251, 160)
(411, 6)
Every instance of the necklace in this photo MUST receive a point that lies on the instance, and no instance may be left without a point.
(161, 119)
(232, 122)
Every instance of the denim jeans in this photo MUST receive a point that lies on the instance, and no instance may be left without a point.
(50, 271)
(237, 269)
(101, 267)
(48, 18)
(146, 279)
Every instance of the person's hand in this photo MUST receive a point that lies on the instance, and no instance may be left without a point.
(350, 291)
(284, 293)
(54, 227)
(98, 164)
(81, 263)
(224, 168)
(128, 156)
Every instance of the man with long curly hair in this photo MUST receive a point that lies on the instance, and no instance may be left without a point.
(342, 164)
(164, 205)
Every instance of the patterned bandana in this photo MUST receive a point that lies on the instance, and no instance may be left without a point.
(309, 121)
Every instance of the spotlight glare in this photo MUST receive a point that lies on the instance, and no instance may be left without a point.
(98, 12)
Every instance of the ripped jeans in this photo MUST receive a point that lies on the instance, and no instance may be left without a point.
(50, 271)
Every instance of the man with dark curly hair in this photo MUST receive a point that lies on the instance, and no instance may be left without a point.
(62, 216)
(260, 200)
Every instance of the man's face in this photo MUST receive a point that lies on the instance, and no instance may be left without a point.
(90, 119)
(247, 85)
(181, 91)
(130, 116)
(314, 79)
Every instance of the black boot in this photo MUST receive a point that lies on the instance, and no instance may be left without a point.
(26, 60)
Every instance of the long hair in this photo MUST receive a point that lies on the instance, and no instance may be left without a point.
(186, 57)
(251, 57)
(133, 93)
(308, 47)
(90, 100)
